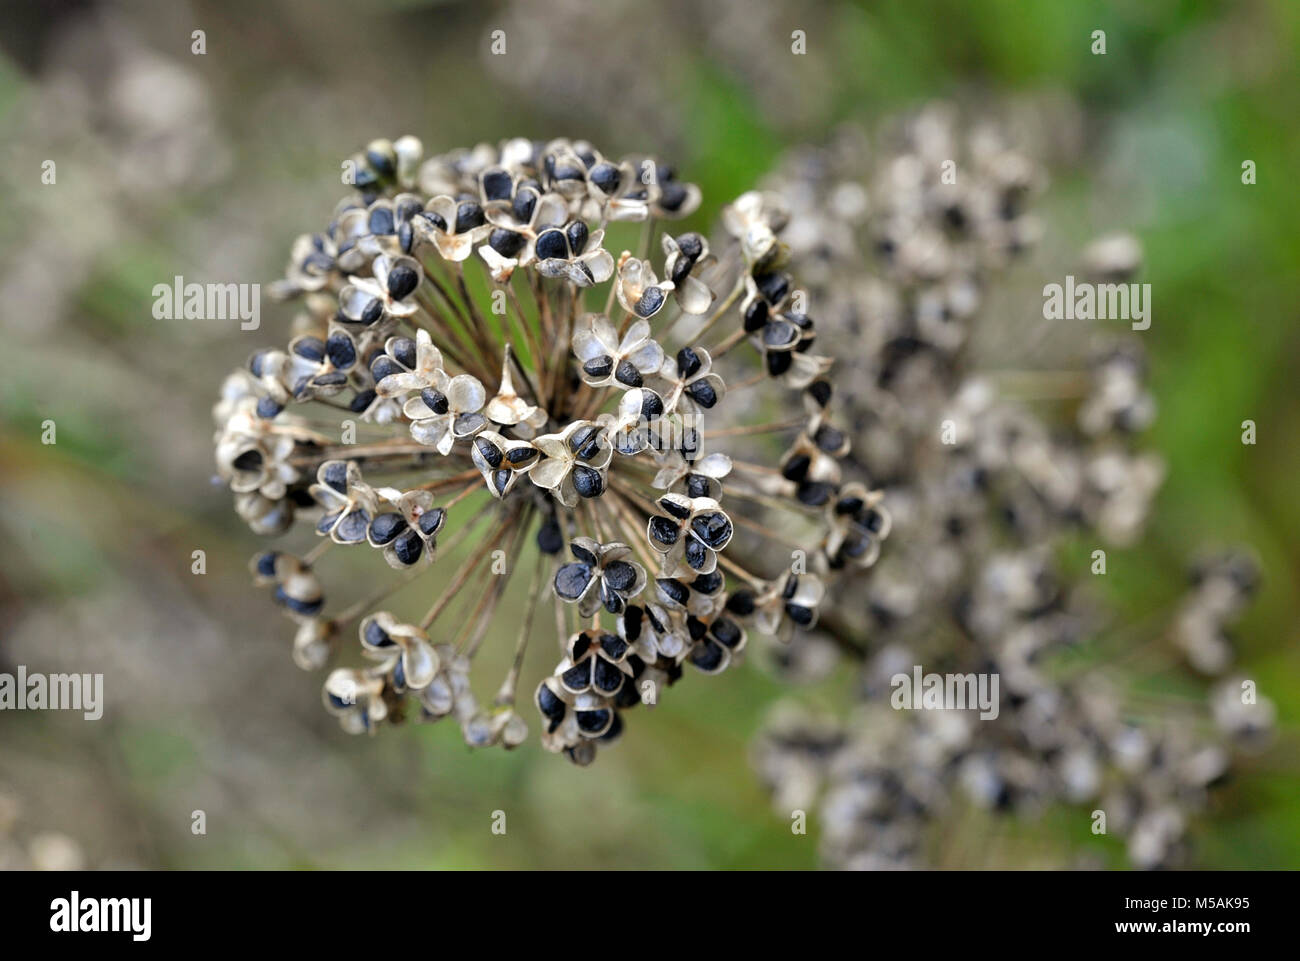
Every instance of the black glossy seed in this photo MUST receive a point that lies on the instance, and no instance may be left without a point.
(435, 400)
(310, 348)
(496, 184)
(813, 493)
(702, 393)
(588, 482)
(501, 480)
(257, 362)
(674, 589)
(376, 636)
(713, 528)
(691, 244)
(402, 281)
(307, 608)
(399, 674)
(663, 530)
(525, 202)
(796, 468)
(605, 176)
(506, 242)
(778, 362)
(381, 221)
(431, 521)
(652, 405)
(628, 374)
(385, 527)
(550, 539)
(384, 366)
(403, 351)
(755, 316)
(848, 505)
(564, 170)
(408, 546)
(779, 333)
(613, 646)
(584, 441)
(690, 446)
(820, 390)
(671, 195)
(341, 351)
(434, 220)
(707, 656)
(352, 528)
(549, 703)
(488, 451)
(652, 298)
(518, 456)
(468, 216)
(774, 287)
(688, 362)
(741, 603)
(599, 366)
(593, 722)
(335, 475)
(802, 616)
(372, 312)
(266, 564)
(268, 408)
(707, 583)
(697, 485)
(363, 400)
(620, 575)
(829, 439)
(551, 245)
(380, 161)
(726, 631)
(577, 233)
(697, 555)
(675, 508)
(578, 679)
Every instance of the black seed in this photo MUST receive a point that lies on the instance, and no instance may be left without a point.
(267, 408)
(707, 583)
(707, 656)
(363, 400)
(376, 636)
(691, 244)
(741, 603)
(266, 564)
(829, 439)
(577, 678)
(702, 393)
(436, 401)
(780, 333)
(336, 476)
(593, 722)
(549, 703)
(848, 505)
(352, 528)
(310, 348)
(506, 242)
(488, 451)
(803, 616)
(583, 441)
(551, 245)
(525, 202)
(820, 391)
(402, 280)
(697, 485)
(632, 619)
(403, 351)
(674, 589)
(663, 530)
(755, 316)
(697, 555)
(652, 405)
(496, 184)
(773, 287)
(778, 362)
(385, 527)
(599, 367)
(501, 480)
(399, 674)
(813, 493)
(587, 481)
(381, 221)
(796, 468)
(468, 216)
(605, 176)
(384, 366)
(577, 234)
(674, 507)
(688, 362)
(341, 351)
(431, 521)
(550, 539)
(726, 631)
(620, 575)
(307, 608)
(613, 646)
(571, 580)
(652, 298)
(520, 455)
(257, 362)
(713, 528)
(434, 220)
(671, 195)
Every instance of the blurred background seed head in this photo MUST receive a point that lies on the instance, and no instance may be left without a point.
(208, 165)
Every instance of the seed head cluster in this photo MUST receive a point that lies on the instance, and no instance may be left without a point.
(536, 421)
